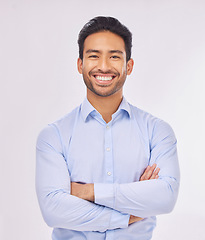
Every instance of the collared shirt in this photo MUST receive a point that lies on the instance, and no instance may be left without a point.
(82, 147)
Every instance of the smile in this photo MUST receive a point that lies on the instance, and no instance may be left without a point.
(104, 78)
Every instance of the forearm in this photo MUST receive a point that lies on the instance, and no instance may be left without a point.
(143, 199)
(62, 210)
(86, 192)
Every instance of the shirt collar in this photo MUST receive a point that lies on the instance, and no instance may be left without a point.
(87, 108)
(124, 105)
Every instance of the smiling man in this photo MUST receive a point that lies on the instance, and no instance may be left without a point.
(105, 170)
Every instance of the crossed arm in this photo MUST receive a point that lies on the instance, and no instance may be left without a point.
(89, 207)
(86, 191)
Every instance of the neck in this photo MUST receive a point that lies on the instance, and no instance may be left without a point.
(106, 106)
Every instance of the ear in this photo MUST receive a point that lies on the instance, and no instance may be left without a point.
(130, 65)
(80, 65)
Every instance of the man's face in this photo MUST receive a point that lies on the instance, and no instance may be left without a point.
(104, 65)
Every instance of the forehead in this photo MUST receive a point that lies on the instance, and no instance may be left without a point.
(104, 41)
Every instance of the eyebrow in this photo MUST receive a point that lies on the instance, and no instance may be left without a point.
(116, 51)
(97, 51)
(92, 51)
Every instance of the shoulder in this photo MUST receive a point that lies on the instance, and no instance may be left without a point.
(151, 124)
(66, 122)
(55, 133)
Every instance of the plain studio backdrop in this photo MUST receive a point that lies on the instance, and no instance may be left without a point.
(40, 84)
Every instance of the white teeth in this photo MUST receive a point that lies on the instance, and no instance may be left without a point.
(103, 78)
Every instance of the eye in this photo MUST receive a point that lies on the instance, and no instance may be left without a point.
(93, 56)
(115, 57)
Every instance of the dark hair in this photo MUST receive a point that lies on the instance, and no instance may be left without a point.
(99, 24)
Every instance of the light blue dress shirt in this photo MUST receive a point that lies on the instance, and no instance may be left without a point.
(82, 147)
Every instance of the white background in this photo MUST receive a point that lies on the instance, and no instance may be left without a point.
(40, 83)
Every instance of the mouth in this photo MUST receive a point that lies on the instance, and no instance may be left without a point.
(104, 79)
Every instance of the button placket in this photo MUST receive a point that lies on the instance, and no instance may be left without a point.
(108, 154)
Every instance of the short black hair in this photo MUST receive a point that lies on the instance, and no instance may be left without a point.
(101, 23)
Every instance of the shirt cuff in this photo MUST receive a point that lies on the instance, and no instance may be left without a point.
(104, 194)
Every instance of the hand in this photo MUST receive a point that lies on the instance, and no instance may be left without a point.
(84, 191)
(134, 219)
(151, 172)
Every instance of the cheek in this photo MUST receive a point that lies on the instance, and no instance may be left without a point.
(88, 66)
(121, 68)
(85, 69)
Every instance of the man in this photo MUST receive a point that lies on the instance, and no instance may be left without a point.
(105, 170)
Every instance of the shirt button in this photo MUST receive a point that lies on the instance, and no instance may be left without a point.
(107, 127)
(109, 173)
(108, 149)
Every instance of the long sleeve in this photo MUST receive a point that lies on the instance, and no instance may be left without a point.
(151, 197)
(59, 208)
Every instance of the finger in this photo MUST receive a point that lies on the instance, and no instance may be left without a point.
(147, 169)
(153, 166)
(138, 219)
(148, 172)
(144, 175)
(134, 219)
(155, 174)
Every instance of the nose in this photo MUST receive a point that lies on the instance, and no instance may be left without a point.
(104, 64)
